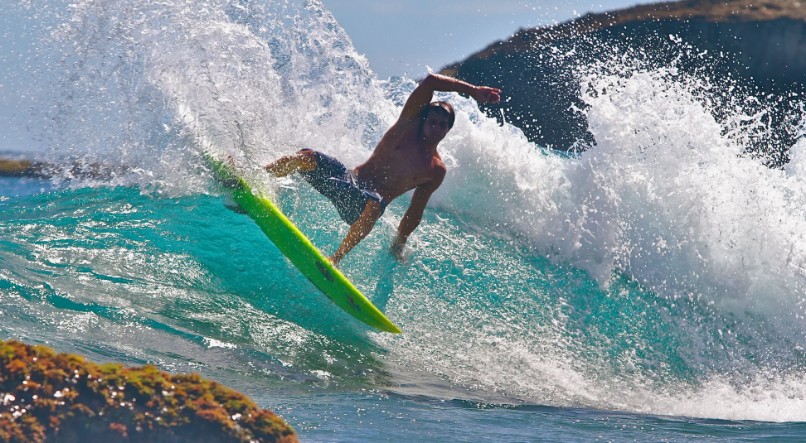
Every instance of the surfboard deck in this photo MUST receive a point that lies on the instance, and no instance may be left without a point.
(298, 248)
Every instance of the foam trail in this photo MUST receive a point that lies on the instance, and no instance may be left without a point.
(691, 215)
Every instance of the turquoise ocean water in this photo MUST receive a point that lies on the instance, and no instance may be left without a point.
(652, 288)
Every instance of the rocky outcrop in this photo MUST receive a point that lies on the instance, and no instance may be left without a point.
(760, 45)
(20, 168)
(15, 167)
(45, 396)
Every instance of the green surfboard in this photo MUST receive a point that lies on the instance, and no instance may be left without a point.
(298, 248)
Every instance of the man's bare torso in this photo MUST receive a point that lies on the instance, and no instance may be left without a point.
(401, 161)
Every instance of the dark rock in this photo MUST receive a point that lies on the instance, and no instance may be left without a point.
(20, 168)
(759, 47)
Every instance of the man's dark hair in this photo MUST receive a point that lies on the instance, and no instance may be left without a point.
(441, 108)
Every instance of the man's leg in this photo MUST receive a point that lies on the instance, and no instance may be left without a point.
(302, 161)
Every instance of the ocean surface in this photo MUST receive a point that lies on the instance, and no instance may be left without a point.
(650, 288)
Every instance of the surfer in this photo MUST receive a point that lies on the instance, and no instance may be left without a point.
(406, 158)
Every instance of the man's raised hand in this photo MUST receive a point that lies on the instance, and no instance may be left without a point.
(485, 94)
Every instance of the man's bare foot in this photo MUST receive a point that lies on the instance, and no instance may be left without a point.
(397, 249)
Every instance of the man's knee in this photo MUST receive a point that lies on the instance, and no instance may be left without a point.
(307, 159)
(373, 209)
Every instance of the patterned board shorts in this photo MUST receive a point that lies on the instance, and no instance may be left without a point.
(339, 184)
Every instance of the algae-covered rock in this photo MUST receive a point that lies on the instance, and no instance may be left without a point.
(45, 396)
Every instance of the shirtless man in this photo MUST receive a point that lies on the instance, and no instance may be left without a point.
(406, 158)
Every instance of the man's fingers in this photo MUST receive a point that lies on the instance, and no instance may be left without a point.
(489, 95)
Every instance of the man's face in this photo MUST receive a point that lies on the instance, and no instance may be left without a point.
(436, 126)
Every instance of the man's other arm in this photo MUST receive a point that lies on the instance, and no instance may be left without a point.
(423, 94)
(414, 214)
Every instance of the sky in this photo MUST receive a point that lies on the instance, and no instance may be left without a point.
(411, 36)
(18, 32)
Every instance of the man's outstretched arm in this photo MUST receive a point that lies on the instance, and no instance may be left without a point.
(424, 93)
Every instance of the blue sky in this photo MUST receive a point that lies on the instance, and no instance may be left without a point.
(406, 37)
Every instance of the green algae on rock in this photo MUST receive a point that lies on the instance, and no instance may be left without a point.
(45, 396)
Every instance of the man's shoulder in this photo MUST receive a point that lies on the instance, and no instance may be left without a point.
(399, 131)
(438, 166)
